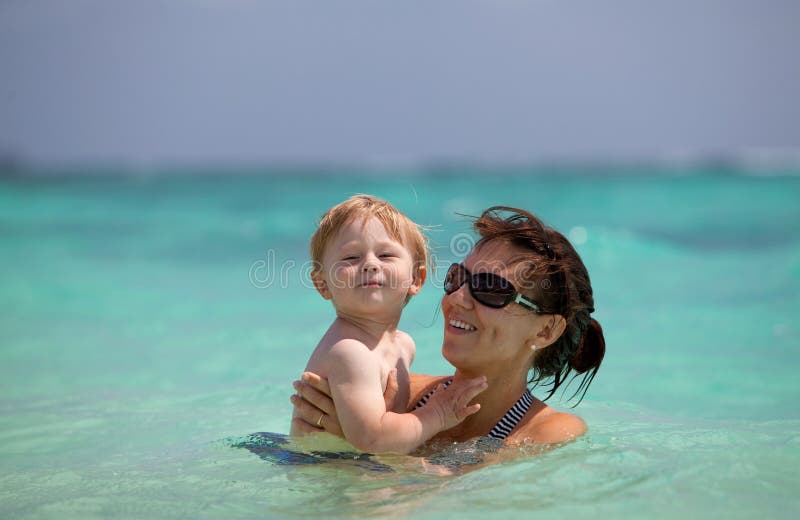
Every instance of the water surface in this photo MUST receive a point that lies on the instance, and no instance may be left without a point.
(146, 321)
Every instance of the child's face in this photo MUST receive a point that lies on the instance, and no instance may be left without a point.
(366, 271)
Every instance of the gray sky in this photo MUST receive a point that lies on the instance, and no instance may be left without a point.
(510, 80)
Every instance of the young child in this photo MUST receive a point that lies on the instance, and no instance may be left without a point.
(369, 260)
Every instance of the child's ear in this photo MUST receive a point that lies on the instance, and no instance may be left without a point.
(320, 284)
(419, 280)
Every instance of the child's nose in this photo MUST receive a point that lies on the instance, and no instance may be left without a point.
(370, 263)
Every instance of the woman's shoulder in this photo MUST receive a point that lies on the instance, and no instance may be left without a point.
(546, 425)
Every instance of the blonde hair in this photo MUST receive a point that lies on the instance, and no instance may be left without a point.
(397, 225)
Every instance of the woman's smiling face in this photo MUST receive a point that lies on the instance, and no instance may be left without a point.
(483, 339)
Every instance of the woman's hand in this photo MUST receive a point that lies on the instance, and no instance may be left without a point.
(314, 408)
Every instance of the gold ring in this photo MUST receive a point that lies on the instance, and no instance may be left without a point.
(319, 421)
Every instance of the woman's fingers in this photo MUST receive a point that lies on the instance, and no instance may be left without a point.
(305, 411)
(303, 428)
(316, 382)
(312, 419)
(331, 425)
(315, 397)
(315, 405)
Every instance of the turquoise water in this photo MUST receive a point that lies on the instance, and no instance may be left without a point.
(142, 329)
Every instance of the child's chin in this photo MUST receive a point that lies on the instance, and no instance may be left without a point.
(383, 300)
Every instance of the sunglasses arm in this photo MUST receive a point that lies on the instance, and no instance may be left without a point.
(526, 303)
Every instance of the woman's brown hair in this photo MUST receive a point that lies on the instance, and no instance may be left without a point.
(552, 273)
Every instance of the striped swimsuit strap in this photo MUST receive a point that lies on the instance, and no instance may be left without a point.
(507, 423)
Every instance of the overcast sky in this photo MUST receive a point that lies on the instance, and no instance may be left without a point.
(511, 80)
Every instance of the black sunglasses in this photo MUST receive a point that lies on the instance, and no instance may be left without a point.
(488, 289)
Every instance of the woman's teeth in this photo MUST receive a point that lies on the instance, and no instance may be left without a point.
(462, 325)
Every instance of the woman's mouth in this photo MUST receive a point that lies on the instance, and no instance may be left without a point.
(461, 326)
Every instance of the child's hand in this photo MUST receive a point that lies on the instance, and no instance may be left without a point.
(391, 389)
(452, 403)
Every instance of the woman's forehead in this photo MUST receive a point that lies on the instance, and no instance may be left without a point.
(494, 257)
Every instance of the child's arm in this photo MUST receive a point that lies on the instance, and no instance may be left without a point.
(355, 383)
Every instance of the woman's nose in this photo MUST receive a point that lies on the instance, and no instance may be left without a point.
(461, 297)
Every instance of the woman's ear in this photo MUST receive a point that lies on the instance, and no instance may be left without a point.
(549, 333)
(419, 280)
(320, 284)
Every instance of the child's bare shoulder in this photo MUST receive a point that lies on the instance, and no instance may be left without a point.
(333, 352)
(347, 346)
(354, 353)
(406, 343)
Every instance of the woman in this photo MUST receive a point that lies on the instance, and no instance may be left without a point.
(519, 304)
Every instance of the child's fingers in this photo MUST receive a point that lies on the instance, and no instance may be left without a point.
(469, 410)
(472, 389)
(391, 389)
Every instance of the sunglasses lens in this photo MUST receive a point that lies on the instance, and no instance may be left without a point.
(455, 278)
(492, 290)
(487, 288)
